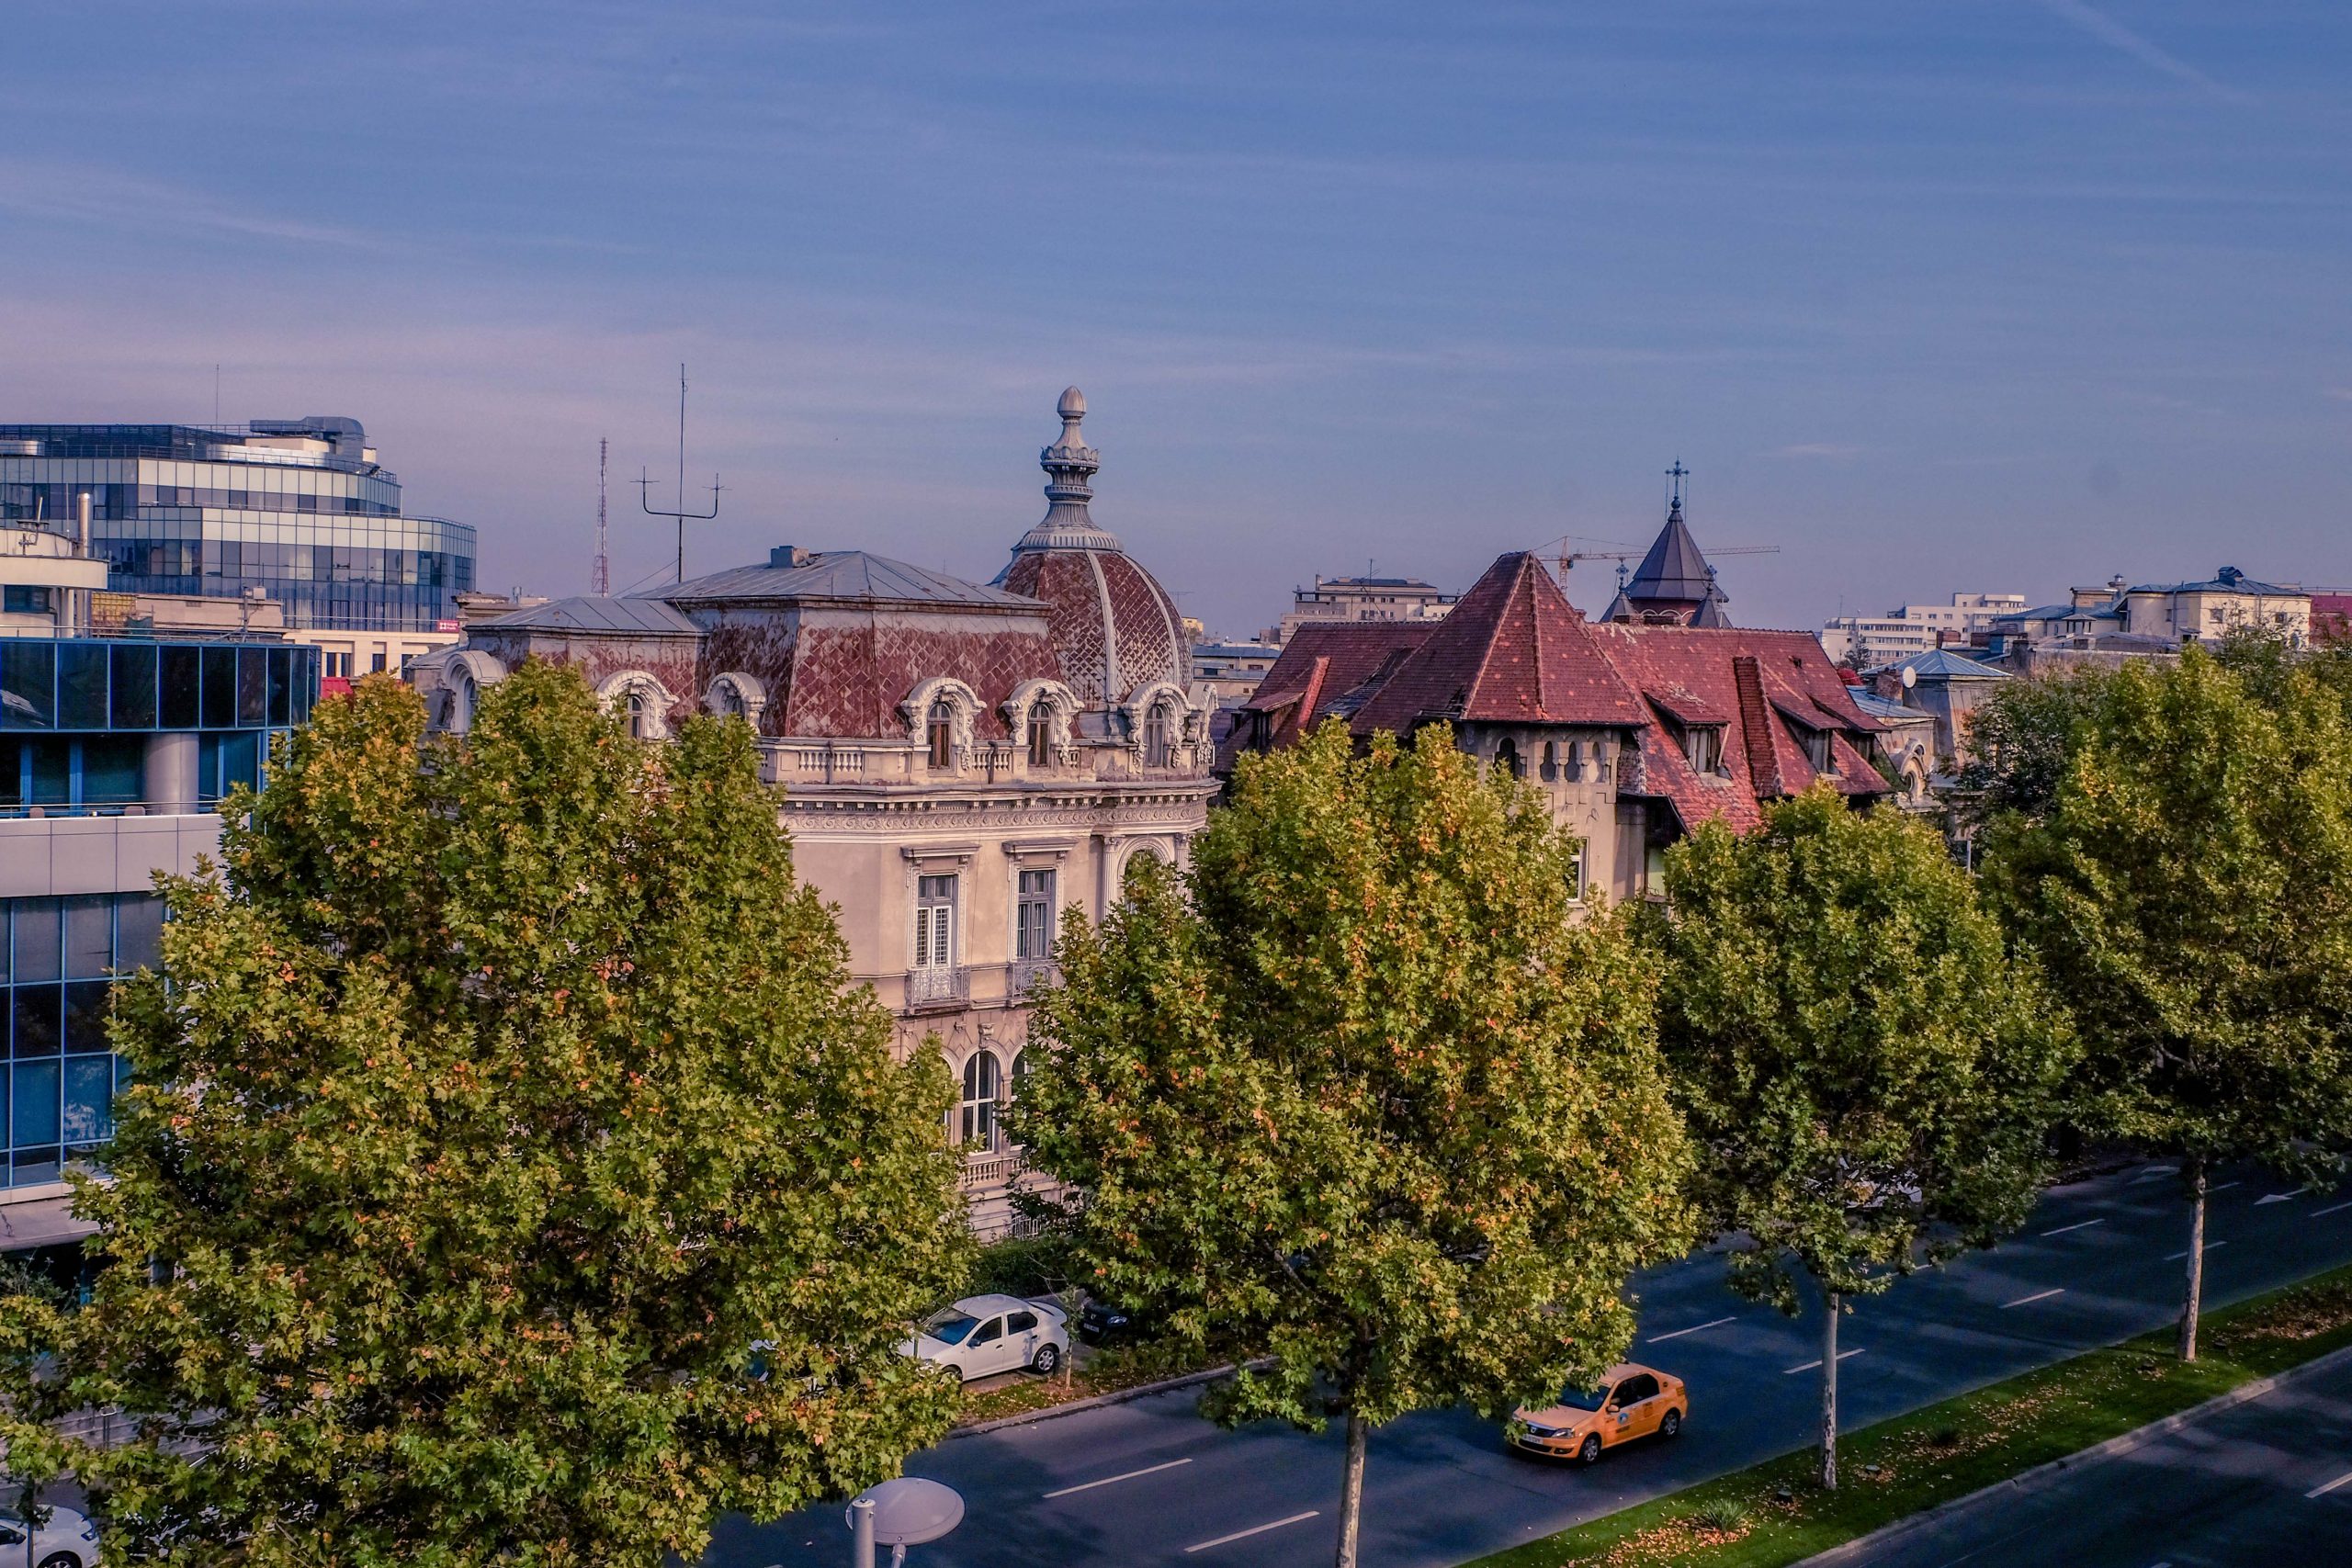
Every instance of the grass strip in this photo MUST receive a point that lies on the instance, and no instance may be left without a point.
(1773, 1514)
(1110, 1371)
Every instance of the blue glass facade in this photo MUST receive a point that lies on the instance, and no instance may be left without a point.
(92, 727)
(299, 509)
(58, 958)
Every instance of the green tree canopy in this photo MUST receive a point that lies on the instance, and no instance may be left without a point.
(1868, 1075)
(2189, 888)
(1373, 1101)
(525, 1179)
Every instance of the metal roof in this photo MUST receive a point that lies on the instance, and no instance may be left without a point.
(1943, 664)
(852, 576)
(591, 613)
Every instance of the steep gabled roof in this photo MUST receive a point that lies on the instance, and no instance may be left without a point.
(1512, 650)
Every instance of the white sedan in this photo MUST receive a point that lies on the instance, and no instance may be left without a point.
(980, 1336)
(65, 1539)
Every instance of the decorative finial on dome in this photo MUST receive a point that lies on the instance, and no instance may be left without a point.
(1069, 464)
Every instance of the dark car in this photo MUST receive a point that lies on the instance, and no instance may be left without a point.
(1102, 1323)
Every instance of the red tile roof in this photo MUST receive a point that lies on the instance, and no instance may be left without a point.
(1512, 650)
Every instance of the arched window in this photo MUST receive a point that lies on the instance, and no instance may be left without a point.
(982, 1084)
(728, 701)
(1551, 761)
(940, 728)
(463, 696)
(1138, 865)
(1506, 758)
(637, 715)
(1041, 735)
(1155, 737)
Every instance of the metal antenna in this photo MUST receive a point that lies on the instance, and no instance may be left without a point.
(644, 494)
(600, 571)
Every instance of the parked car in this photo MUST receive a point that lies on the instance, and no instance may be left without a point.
(980, 1336)
(1630, 1403)
(1105, 1323)
(65, 1539)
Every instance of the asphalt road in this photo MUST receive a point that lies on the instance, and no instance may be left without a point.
(2269, 1481)
(1149, 1482)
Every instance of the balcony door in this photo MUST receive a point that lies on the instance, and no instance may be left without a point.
(934, 975)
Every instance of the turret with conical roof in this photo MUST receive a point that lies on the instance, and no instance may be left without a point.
(1674, 585)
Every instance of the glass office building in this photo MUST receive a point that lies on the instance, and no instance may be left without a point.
(149, 733)
(300, 509)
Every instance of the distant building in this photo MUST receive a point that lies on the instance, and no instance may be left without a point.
(298, 510)
(2331, 619)
(1361, 599)
(958, 764)
(1635, 731)
(1943, 686)
(2112, 623)
(1868, 642)
(1231, 671)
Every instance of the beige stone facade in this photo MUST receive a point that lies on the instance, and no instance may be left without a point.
(958, 764)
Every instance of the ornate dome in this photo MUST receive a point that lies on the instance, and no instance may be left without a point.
(1114, 629)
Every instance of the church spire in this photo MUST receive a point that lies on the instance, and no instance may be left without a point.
(1674, 585)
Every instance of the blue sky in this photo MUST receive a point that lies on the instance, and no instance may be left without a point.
(1985, 295)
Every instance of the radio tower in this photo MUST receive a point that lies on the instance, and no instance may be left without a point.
(600, 574)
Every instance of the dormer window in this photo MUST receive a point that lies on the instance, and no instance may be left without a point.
(1704, 745)
(1819, 751)
(940, 729)
(1041, 735)
(637, 716)
(1155, 747)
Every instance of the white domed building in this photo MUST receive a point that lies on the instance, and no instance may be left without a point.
(957, 764)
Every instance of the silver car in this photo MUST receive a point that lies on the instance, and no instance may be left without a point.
(65, 1539)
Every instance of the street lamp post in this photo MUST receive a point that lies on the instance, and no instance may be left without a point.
(908, 1511)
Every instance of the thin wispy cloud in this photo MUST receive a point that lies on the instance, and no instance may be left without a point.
(1823, 451)
(2341, 394)
(85, 193)
(2116, 36)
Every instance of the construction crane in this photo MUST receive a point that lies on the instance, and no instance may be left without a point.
(1565, 559)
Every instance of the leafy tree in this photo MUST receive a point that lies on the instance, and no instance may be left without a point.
(2190, 888)
(1374, 1103)
(2021, 737)
(529, 1182)
(1866, 1074)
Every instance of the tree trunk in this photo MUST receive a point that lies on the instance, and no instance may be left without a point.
(1831, 1300)
(2194, 1172)
(1352, 1490)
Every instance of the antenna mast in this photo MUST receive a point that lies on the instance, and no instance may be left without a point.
(644, 492)
(600, 573)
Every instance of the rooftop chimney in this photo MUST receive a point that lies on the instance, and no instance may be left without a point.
(788, 556)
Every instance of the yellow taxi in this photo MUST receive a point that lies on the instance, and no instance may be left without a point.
(1629, 1401)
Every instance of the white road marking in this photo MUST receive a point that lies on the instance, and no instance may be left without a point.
(1661, 1338)
(1261, 1529)
(2324, 1490)
(2282, 1197)
(2157, 1170)
(2077, 1225)
(1129, 1476)
(1842, 1355)
(2331, 1208)
(2225, 1187)
(2038, 1296)
(2209, 1247)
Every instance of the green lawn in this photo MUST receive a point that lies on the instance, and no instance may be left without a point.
(1957, 1447)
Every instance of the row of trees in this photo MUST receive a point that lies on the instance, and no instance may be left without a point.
(1362, 1095)
(512, 1175)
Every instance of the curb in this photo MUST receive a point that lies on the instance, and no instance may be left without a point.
(1094, 1402)
(2031, 1481)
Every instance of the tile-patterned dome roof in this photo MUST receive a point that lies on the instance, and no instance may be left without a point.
(1115, 628)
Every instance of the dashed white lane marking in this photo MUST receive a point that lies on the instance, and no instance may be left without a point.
(1258, 1529)
(1662, 1338)
(1842, 1355)
(1128, 1475)
(2223, 1186)
(2209, 1247)
(2077, 1225)
(2322, 1490)
(2331, 1208)
(2037, 1296)
(2282, 1197)
(2157, 1170)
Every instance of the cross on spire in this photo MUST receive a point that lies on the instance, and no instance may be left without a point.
(1674, 496)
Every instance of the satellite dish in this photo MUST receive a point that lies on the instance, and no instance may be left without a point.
(910, 1511)
(1910, 677)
